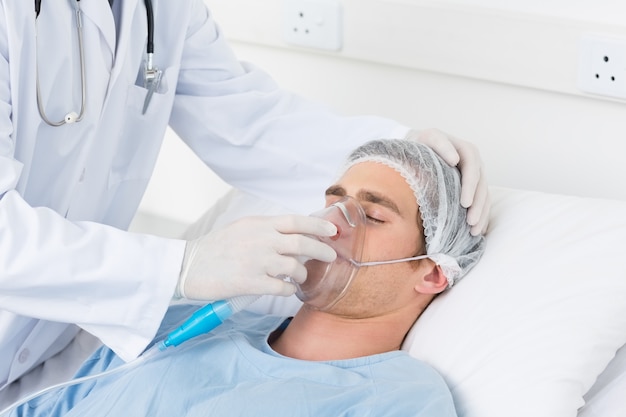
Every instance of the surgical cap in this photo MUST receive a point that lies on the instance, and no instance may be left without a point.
(437, 189)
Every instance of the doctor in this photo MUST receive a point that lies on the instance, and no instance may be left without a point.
(84, 104)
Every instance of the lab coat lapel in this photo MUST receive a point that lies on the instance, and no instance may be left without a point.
(133, 35)
(99, 12)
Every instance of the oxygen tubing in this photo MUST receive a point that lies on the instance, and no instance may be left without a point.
(202, 321)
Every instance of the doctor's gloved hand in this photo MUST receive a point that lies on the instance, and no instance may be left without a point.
(465, 156)
(251, 256)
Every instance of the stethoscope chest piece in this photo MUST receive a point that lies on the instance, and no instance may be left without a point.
(71, 117)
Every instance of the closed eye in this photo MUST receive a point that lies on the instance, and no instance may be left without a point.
(374, 219)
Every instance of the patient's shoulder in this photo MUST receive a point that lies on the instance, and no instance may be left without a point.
(403, 385)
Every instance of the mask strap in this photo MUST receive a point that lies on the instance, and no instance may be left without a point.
(392, 261)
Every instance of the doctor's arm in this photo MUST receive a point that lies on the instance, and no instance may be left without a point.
(84, 273)
(114, 284)
(277, 145)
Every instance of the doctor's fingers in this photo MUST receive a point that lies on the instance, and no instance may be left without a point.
(287, 267)
(478, 213)
(439, 141)
(466, 156)
(276, 277)
(262, 238)
(474, 187)
(456, 152)
(308, 225)
(472, 174)
(302, 247)
(269, 285)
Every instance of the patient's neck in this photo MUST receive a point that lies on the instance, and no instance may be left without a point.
(317, 336)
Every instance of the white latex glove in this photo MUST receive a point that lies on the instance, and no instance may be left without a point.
(465, 156)
(252, 255)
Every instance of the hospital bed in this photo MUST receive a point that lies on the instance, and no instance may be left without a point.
(537, 328)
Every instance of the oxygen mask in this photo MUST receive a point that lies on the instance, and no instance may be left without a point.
(327, 282)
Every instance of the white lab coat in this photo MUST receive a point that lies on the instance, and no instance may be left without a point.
(68, 193)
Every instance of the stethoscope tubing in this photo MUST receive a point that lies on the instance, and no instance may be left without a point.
(72, 117)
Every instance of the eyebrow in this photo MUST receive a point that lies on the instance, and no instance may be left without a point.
(370, 196)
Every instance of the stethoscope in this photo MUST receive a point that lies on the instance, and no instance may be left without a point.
(152, 75)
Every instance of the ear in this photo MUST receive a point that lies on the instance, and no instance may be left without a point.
(432, 282)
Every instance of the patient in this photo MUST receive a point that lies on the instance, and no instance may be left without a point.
(342, 361)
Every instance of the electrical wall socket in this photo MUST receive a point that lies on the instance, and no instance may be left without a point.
(602, 65)
(313, 23)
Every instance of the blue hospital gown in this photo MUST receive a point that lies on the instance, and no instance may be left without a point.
(233, 371)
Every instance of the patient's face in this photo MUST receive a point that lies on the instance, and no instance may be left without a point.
(392, 233)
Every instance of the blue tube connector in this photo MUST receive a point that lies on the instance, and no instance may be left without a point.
(206, 319)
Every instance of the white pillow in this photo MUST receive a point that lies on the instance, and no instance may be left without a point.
(607, 397)
(530, 328)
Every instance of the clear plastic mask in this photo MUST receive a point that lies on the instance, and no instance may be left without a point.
(327, 282)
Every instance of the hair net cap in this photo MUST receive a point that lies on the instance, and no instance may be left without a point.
(437, 189)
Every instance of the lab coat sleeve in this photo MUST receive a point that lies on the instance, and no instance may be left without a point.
(256, 136)
(114, 284)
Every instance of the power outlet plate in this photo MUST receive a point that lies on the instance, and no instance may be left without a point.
(602, 65)
(313, 23)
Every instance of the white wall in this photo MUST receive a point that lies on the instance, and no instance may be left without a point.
(182, 188)
(501, 74)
